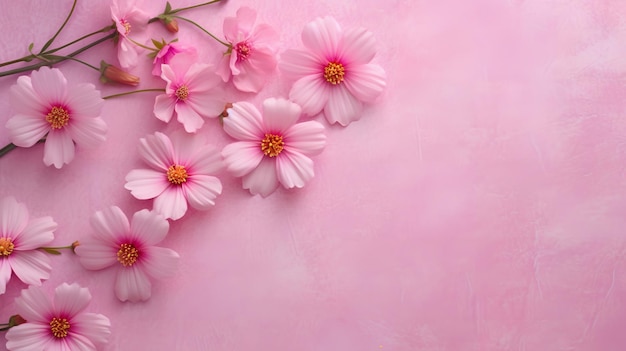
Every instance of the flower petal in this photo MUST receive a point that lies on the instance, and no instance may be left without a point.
(253, 73)
(28, 337)
(279, 115)
(110, 224)
(160, 262)
(126, 53)
(307, 138)
(164, 107)
(148, 228)
(294, 169)
(244, 122)
(202, 190)
(322, 37)
(171, 203)
(342, 107)
(95, 327)
(27, 130)
(262, 180)
(366, 82)
(295, 64)
(205, 160)
(94, 255)
(31, 267)
(146, 184)
(33, 305)
(38, 233)
(58, 148)
(201, 78)
(25, 101)
(13, 217)
(69, 300)
(239, 26)
(311, 93)
(5, 275)
(265, 35)
(242, 157)
(50, 85)
(88, 132)
(357, 46)
(132, 285)
(207, 105)
(84, 101)
(190, 118)
(157, 151)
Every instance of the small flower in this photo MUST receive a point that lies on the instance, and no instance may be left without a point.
(110, 73)
(46, 106)
(273, 147)
(167, 52)
(127, 18)
(130, 247)
(58, 325)
(19, 241)
(181, 172)
(251, 57)
(334, 74)
(191, 93)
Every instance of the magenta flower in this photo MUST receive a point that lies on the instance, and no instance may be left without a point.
(191, 93)
(19, 241)
(127, 18)
(58, 325)
(251, 57)
(273, 148)
(334, 73)
(131, 248)
(46, 106)
(166, 53)
(181, 172)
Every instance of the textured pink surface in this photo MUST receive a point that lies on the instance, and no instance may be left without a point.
(479, 205)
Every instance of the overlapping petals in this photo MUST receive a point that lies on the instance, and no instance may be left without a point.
(128, 18)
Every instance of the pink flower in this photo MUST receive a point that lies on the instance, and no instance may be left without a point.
(58, 325)
(181, 172)
(127, 18)
(46, 106)
(131, 248)
(191, 93)
(19, 241)
(251, 57)
(273, 147)
(334, 73)
(166, 53)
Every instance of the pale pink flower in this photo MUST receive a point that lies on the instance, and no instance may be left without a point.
(60, 324)
(273, 148)
(167, 52)
(251, 57)
(46, 106)
(128, 18)
(130, 247)
(181, 172)
(19, 240)
(334, 73)
(192, 93)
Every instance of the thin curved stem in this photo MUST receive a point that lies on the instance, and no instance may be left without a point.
(204, 30)
(141, 45)
(79, 61)
(49, 42)
(8, 148)
(192, 7)
(132, 92)
(103, 30)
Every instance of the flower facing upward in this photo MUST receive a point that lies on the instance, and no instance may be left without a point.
(181, 172)
(166, 53)
(273, 148)
(191, 93)
(252, 54)
(131, 248)
(46, 106)
(60, 325)
(128, 18)
(19, 240)
(334, 73)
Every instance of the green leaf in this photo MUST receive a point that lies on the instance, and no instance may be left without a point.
(168, 7)
(51, 251)
(30, 47)
(157, 44)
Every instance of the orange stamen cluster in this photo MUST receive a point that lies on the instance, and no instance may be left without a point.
(334, 73)
(272, 145)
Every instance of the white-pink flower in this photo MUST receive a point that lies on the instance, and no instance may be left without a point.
(334, 73)
(251, 57)
(127, 18)
(273, 148)
(167, 52)
(191, 93)
(181, 171)
(61, 324)
(47, 106)
(19, 240)
(130, 247)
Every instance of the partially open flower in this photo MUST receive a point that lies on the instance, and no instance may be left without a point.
(110, 73)
(171, 24)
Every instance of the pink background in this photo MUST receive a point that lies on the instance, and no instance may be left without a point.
(478, 205)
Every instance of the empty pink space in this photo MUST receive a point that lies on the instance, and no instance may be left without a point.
(477, 205)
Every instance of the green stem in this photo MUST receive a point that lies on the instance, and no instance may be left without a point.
(141, 45)
(77, 60)
(5, 150)
(132, 92)
(204, 30)
(103, 30)
(25, 58)
(192, 7)
(49, 42)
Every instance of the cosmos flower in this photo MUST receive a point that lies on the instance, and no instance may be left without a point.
(130, 247)
(181, 171)
(333, 74)
(272, 147)
(58, 325)
(251, 57)
(127, 18)
(47, 106)
(19, 240)
(166, 53)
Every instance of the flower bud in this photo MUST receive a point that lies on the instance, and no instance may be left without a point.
(110, 73)
(75, 244)
(171, 24)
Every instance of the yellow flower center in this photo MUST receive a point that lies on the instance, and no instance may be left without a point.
(182, 93)
(126, 25)
(272, 145)
(59, 327)
(177, 174)
(334, 72)
(58, 117)
(6, 246)
(127, 255)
